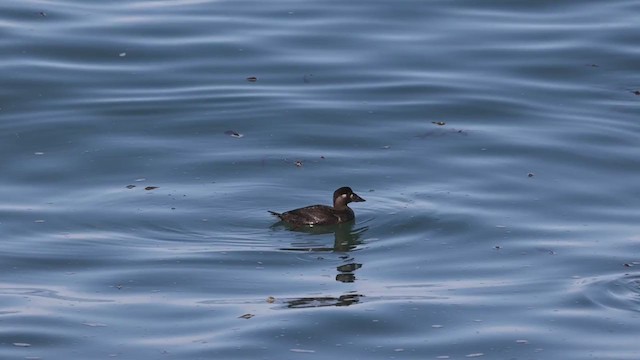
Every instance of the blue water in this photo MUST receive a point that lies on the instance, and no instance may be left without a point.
(496, 144)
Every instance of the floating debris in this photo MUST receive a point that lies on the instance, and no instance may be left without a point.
(271, 299)
(252, 79)
(234, 134)
(43, 14)
(439, 123)
(90, 324)
(636, 92)
(442, 132)
(130, 186)
(298, 163)
(246, 316)
(151, 187)
(531, 174)
(322, 157)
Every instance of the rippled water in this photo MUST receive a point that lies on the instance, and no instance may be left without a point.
(496, 144)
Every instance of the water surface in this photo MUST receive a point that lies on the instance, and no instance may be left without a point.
(495, 143)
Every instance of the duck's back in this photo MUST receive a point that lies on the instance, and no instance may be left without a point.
(317, 215)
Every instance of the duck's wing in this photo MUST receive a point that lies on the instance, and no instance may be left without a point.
(310, 215)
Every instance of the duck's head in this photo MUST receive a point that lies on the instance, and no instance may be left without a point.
(343, 196)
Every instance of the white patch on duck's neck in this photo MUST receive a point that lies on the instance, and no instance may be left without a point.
(341, 202)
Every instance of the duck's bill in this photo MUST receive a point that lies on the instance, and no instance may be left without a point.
(356, 198)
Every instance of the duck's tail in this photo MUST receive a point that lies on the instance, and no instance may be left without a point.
(275, 213)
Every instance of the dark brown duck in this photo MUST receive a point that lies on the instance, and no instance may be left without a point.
(323, 214)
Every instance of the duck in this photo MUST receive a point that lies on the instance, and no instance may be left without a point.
(323, 214)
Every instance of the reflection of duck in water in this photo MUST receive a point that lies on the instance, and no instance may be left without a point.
(323, 214)
(346, 237)
(309, 302)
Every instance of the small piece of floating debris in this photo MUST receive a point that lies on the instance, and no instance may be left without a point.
(234, 134)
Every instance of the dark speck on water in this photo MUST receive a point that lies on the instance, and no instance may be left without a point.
(234, 134)
(151, 188)
(252, 79)
(442, 132)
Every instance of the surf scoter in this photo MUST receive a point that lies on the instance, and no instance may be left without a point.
(322, 214)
